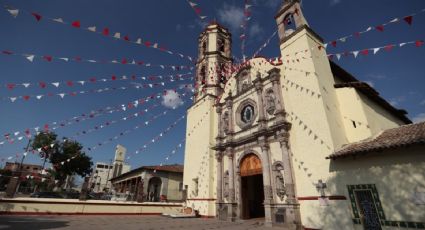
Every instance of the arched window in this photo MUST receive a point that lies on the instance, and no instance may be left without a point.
(221, 45)
(203, 75)
(289, 23)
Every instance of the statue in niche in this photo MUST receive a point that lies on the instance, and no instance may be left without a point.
(280, 183)
(225, 122)
(226, 184)
(244, 81)
(270, 101)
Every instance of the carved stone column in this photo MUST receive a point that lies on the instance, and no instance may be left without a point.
(259, 89)
(220, 125)
(231, 208)
(219, 158)
(275, 79)
(229, 106)
(268, 195)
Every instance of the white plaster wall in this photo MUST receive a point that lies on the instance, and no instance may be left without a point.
(173, 192)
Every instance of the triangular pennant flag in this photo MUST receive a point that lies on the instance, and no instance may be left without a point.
(92, 28)
(65, 59)
(333, 43)
(62, 95)
(30, 58)
(37, 16)
(375, 50)
(419, 43)
(402, 44)
(408, 19)
(192, 4)
(117, 35)
(203, 17)
(389, 47)
(139, 41)
(338, 56)
(355, 53)
(55, 84)
(12, 99)
(60, 20)
(394, 20)
(380, 28)
(369, 29)
(26, 85)
(105, 31)
(76, 24)
(365, 52)
(39, 97)
(13, 12)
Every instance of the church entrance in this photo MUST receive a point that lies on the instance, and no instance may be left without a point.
(154, 189)
(252, 188)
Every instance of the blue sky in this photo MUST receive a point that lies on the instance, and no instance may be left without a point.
(398, 75)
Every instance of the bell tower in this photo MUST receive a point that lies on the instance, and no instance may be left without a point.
(289, 18)
(214, 58)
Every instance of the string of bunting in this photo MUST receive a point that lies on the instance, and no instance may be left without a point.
(244, 25)
(408, 19)
(95, 29)
(365, 52)
(256, 53)
(301, 88)
(196, 9)
(91, 80)
(75, 93)
(180, 144)
(78, 59)
(11, 137)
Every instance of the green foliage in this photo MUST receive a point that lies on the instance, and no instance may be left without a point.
(62, 151)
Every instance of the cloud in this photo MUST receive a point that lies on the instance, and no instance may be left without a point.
(255, 31)
(419, 118)
(397, 100)
(231, 15)
(370, 83)
(376, 76)
(334, 2)
(172, 99)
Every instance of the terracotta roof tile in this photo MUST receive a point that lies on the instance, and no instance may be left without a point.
(389, 139)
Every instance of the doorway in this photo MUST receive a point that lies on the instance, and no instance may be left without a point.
(252, 187)
(154, 189)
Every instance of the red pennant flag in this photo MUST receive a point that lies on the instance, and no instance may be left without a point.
(73, 94)
(93, 79)
(147, 43)
(7, 52)
(124, 61)
(78, 59)
(48, 58)
(69, 83)
(197, 10)
(380, 28)
(357, 34)
(105, 31)
(365, 52)
(126, 38)
(114, 78)
(333, 43)
(11, 86)
(42, 85)
(419, 43)
(408, 19)
(76, 24)
(140, 63)
(133, 77)
(26, 97)
(37, 16)
(389, 47)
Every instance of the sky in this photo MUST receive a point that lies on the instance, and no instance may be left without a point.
(398, 75)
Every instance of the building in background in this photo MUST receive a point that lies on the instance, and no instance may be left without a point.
(103, 172)
(27, 169)
(151, 183)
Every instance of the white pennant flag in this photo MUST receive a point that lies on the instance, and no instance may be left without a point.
(13, 99)
(150, 85)
(394, 20)
(60, 20)
(92, 28)
(375, 50)
(13, 12)
(62, 95)
(81, 82)
(203, 17)
(117, 35)
(26, 85)
(402, 44)
(192, 4)
(65, 59)
(20, 138)
(325, 45)
(56, 84)
(30, 58)
(162, 66)
(16, 133)
(355, 53)
(139, 41)
(162, 83)
(92, 61)
(338, 56)
(146, 122)
(369, 29)
(39, 97)
(155, 46)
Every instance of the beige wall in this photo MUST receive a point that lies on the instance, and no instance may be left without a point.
(67, 206)
(173, 192)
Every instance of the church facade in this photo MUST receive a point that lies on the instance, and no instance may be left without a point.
(292, 140)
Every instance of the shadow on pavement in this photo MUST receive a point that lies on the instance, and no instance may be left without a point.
(28, 222)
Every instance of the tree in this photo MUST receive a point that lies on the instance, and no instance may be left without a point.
(66, 156)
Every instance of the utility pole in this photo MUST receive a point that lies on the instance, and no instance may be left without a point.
(107, 177)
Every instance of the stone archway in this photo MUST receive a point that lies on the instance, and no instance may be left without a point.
(251, 187)
(154, 189)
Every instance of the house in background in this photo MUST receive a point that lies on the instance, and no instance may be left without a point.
(151, 183)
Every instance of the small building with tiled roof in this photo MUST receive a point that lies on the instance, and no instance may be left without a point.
(151, 183)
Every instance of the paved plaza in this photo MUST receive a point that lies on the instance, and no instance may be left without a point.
(122, 223)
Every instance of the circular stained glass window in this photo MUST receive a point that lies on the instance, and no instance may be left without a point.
(247, 114)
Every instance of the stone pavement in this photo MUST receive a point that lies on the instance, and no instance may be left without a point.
(122, 223)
